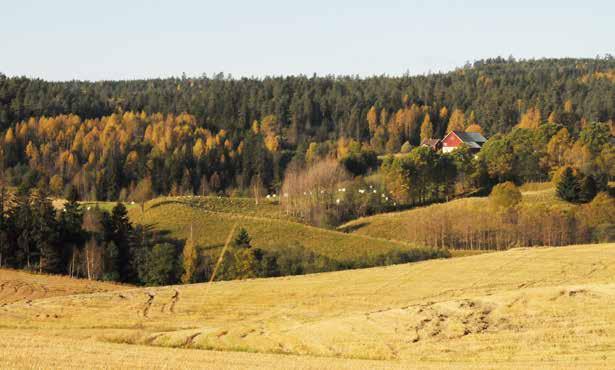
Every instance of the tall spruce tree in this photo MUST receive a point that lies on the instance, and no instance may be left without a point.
(5, 250)
(568, 187)
(161, 265)
(588, 189)
(121, 234)
(71, 232)
(20, 220)
(45, 233)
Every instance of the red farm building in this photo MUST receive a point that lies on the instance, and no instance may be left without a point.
(454, 139)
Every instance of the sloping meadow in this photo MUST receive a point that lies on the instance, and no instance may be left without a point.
(472, 223)
(213, 218)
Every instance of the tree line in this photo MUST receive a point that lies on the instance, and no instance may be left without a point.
(89, 243)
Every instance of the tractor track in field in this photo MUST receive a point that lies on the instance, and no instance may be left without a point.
(174, 300)
(148, 304)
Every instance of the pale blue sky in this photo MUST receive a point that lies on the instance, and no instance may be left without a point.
(111, 39)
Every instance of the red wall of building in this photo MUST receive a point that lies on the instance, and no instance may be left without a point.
(451, 141)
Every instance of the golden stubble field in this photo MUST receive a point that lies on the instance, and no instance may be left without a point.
(16, 286)
(523, 308)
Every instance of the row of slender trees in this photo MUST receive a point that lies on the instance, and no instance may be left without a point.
(487, 224)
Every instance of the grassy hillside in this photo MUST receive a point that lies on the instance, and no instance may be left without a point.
(426, 225)
(270, 229)
(529, 307)
(16, 286)
(244, 206)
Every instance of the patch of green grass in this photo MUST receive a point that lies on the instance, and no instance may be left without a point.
(545, 196)
(106, 206)
(270, 229)
(244, 206)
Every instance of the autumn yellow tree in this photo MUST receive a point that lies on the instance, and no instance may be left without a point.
(426, 128)
(475, 128)
(32, 154)
(531, 119)
(471, 120)
(568, 106)
(505, 195)
(396, 124)
(198, 149)
(270, 127)
(379, 139)
(311, 155)
(56, 185)
(606, 160)
(372, 119)
(272, 143)
(384, 117)
(256, 127)
(457, 121)
(142, 193)
(557, 147)
(443, 114)
(579, 156)
(410, 121)
(190, 258)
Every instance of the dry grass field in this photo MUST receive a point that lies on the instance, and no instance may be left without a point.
(19, 286)
(522, 308)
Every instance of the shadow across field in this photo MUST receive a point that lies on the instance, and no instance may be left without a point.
(353, 227)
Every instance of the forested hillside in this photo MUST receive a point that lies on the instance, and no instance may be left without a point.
(497, 90)
(309, 145)
(211, 135)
